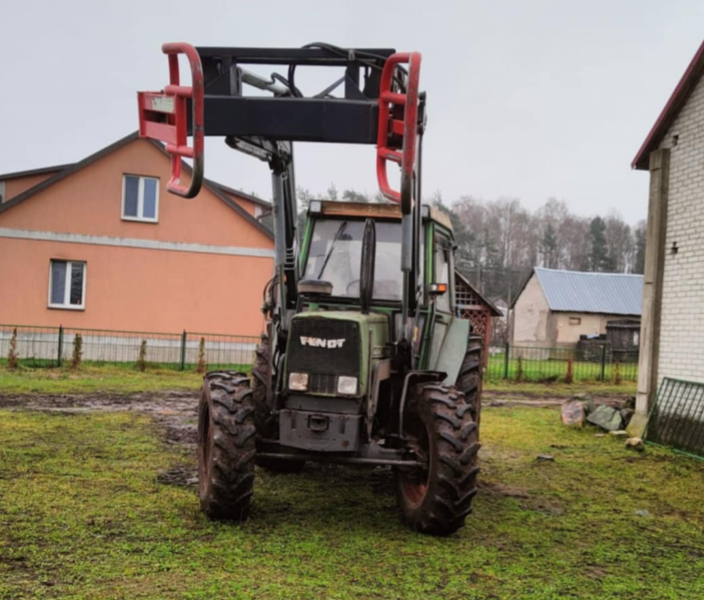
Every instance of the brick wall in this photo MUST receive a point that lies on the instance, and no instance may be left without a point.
(682, 325)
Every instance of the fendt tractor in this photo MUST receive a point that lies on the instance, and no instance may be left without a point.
(364, 361)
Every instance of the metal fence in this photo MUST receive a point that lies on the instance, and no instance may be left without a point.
(54, 346)
(522, 363)
(677, 417)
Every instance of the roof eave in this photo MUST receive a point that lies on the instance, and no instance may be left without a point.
(668, 115)
(33, 172)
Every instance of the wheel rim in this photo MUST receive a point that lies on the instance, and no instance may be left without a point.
(414, 482)
(204, 443)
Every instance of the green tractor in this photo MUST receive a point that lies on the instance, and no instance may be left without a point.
(365, 361)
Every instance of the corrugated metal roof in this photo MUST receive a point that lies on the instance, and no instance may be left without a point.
(607, 293)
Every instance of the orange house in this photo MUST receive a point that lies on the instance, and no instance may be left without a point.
(101, 244)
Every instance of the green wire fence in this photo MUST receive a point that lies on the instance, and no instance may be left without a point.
(53, 346)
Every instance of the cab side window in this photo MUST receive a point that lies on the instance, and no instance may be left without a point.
(443, 265)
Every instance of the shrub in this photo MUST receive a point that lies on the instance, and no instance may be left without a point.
(77, 356)
(617, 373)
(13, 361)
(142, 360)
(519, 368)
(569, 375)
(202, 366)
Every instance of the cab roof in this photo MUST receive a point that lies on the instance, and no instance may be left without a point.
(333, 208)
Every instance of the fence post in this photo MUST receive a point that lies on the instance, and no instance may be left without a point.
(59, 358)
(507, 351)
(183, 350)
(603, 362)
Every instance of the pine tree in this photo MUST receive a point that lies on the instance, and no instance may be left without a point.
(639, 266)
(599, 259)
(548, 247)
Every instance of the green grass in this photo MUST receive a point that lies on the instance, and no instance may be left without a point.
(83, 517)
(95, 378)
(556, 369)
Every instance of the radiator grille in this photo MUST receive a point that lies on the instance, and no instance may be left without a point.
(322, 383)
(324, 364)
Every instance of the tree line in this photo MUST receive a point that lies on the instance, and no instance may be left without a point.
(499, 241)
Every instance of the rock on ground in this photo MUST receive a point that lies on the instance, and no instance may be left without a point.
(587, 401)
(606, 417)
(635, 443)
(573, 413)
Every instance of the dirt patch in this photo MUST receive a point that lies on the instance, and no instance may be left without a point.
(503, 490)
(496, 399)
(175, 411)
(180, 475)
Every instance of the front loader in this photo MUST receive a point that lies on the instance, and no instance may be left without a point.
(364, 360)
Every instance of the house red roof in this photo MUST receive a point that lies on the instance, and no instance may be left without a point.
(677, 100)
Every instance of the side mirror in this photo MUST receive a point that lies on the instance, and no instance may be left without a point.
(437, 289)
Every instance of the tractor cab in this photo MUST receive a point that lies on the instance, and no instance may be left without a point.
(343, 346)
(331, 254)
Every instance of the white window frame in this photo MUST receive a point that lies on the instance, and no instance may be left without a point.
(67, 284)
(140, 199)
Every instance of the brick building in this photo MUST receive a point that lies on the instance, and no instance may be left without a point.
(672, 325)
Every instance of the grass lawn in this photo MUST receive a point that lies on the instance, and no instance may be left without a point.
(118, 378)
(556, 369)
(82, 516)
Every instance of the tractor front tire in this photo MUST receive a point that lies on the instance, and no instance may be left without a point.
(439, 424)
(226, 445)
(266, 426)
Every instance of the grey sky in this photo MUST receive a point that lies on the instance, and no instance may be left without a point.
(529, 99)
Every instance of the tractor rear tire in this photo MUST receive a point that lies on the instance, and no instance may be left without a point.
(266, 426)
(226, 446)
(437, 499)
(469, 381)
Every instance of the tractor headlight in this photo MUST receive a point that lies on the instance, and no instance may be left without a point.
(346, 385)
(298, 381)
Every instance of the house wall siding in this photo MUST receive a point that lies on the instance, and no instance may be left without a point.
(530, 322)
(202, 267)
(17, 185)
(136, 290)
(90, 202)
(590, 324)
(681, 353)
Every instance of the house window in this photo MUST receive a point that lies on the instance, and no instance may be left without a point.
(575, 320)
(67, 284)
(2, 192)
(140, 198)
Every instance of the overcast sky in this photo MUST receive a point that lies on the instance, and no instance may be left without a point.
(526, 98)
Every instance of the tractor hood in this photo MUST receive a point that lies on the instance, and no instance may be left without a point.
(324, 346)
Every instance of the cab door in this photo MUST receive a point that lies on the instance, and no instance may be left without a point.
(442, 304)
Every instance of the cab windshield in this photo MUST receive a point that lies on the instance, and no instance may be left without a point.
(335, 256)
